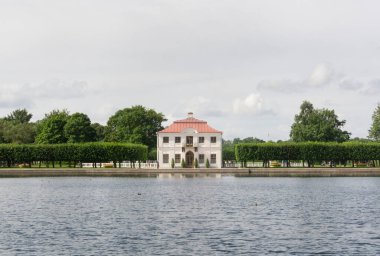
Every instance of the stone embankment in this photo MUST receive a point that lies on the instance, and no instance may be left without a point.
(241, 172)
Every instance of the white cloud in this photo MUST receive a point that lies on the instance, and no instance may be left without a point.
(16, 95)
(351, 85)
(252, 104)
(60, 89)
(321, 75)
(201, 107)
(372, 88)
(284, 86)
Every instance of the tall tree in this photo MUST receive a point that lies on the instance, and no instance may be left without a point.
(99, 131)
(374, 131)
(16, 128)
(50, 130)
(136, 124)
(78, 129)
(19, 133)
(317, 125)
(19, 116)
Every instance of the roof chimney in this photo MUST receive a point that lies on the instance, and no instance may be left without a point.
(190, 115)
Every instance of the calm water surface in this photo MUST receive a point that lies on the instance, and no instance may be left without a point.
(199, 216)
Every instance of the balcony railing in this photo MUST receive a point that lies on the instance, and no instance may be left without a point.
(189, 145)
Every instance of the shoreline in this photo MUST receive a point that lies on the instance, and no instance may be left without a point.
(237, 172)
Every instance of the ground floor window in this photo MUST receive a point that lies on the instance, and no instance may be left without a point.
(165, 158)
(201, 158)
(177, 158)
(213, 158)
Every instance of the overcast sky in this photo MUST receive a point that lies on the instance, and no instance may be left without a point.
(244, 66)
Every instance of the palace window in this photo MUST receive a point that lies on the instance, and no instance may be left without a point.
(177, 158)
(213, 139)
(201, 158)
(177, 139)
(189, 140)
(165, 139)
(213, 158)
(201, 139)
(165, 158)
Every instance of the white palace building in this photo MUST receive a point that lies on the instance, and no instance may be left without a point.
(189, 140)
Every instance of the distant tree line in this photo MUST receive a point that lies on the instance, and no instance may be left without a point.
(138, 124)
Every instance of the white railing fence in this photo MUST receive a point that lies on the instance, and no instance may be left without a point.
(126, 164)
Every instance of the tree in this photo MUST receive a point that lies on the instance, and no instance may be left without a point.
(19, 133)
(19, 116)
(99, 131)
(16, 128)
(374, 131)
(78, 129)
(228, 151)
(50, 130)
(247, 140)
(136, 125)
(317, 125)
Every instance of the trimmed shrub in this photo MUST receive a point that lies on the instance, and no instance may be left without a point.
(309, 152)
(196, 164)
(96, 152)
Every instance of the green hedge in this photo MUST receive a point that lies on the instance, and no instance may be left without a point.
(98, 152)
(310, 152)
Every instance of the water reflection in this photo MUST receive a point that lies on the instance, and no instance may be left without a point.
(189, 175)
(195, 216)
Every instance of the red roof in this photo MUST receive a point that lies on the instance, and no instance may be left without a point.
(199, 125)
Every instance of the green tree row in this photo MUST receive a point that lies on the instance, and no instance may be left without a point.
(51, 154)
(309, 152)
(136, 124)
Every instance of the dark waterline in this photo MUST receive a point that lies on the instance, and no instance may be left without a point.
(210, 216)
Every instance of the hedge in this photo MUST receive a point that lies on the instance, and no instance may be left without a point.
(310, 152)
(97, 152)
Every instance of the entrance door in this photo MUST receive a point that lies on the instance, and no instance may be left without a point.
(189, 159)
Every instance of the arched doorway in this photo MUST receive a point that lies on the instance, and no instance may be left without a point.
(189, 159)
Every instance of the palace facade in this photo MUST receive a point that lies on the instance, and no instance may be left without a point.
(189, 140)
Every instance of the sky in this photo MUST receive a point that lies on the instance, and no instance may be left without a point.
(245, 66)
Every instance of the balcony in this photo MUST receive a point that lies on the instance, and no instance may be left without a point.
(189, 145)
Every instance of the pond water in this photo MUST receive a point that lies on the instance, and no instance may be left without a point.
(191, 216)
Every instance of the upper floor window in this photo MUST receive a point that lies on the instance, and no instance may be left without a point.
(213, 139)
(177, 139)
(201, 139)
(165, 139)
(189, 140)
